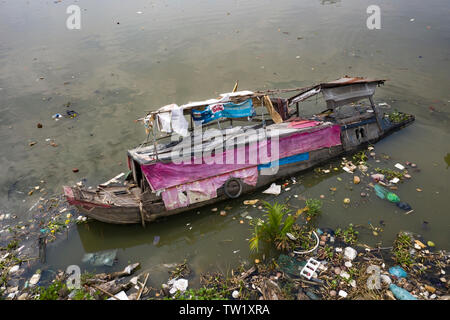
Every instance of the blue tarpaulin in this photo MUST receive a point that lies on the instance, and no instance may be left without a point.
(295, 158)
(224, 110)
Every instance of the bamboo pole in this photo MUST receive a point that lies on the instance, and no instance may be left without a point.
(142, 288)
(235, 86)
(105, 292)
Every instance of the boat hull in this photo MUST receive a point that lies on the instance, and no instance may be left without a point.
(137, 210)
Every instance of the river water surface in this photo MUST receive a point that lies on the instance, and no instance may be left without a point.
(133, 56)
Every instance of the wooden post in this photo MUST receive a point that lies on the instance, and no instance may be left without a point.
(141, 210)
(298, 109)
(42, 248)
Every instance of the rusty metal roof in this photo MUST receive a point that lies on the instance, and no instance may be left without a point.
(346, 80)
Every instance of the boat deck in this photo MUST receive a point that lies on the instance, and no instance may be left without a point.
(241, 134)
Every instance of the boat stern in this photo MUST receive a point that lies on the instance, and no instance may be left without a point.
(69, 194)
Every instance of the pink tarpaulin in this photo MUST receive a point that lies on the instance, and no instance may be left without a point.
(202, 190)
(165, 175)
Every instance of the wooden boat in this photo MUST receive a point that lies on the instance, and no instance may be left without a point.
(165, 180)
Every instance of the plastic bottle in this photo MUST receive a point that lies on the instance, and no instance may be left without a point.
(400, 293)
(380, 191)
(392, 197)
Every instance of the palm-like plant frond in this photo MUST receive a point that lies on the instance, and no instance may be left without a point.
(273, 228)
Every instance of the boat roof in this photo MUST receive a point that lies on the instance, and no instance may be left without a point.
(243, 95)
(346, 80)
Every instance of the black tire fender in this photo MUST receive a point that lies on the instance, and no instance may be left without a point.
(227, 191)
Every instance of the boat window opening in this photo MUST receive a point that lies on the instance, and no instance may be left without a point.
(137, 173)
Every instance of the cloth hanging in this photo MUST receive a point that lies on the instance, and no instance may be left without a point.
(164, 118)
(179, 123)
(170, 118)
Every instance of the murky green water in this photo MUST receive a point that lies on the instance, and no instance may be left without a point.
(180, 51)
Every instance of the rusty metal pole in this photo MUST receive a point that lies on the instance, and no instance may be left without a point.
(154, 144)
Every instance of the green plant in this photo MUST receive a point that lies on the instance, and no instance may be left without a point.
(402, 246)
(313, 207)
(181, 270)
(201, 294)
(52, 291)
(13, 244)
(274, 228)
(304, 237)
(396, 116)
(360, 157)
(86, 276)
(328, 251)
(333, 284)
(288, 290)
(349, 235)
(390, 174)
(353, 272)
(81, 294)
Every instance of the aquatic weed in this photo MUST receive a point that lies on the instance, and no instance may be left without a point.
(360, 157)
(349, 235)
(181, 270)
(201, 294)
(390, 174)
(313, 208)
(401, 250)
(397, 117)
(51, 292)
(81, 294)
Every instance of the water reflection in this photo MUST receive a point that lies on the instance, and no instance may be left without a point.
(188, 227)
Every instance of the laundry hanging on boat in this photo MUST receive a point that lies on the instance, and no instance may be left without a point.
(163, 118)
(179, 123)
(170, 118)
(224, 110)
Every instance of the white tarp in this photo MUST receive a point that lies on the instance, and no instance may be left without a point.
(170, 118)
